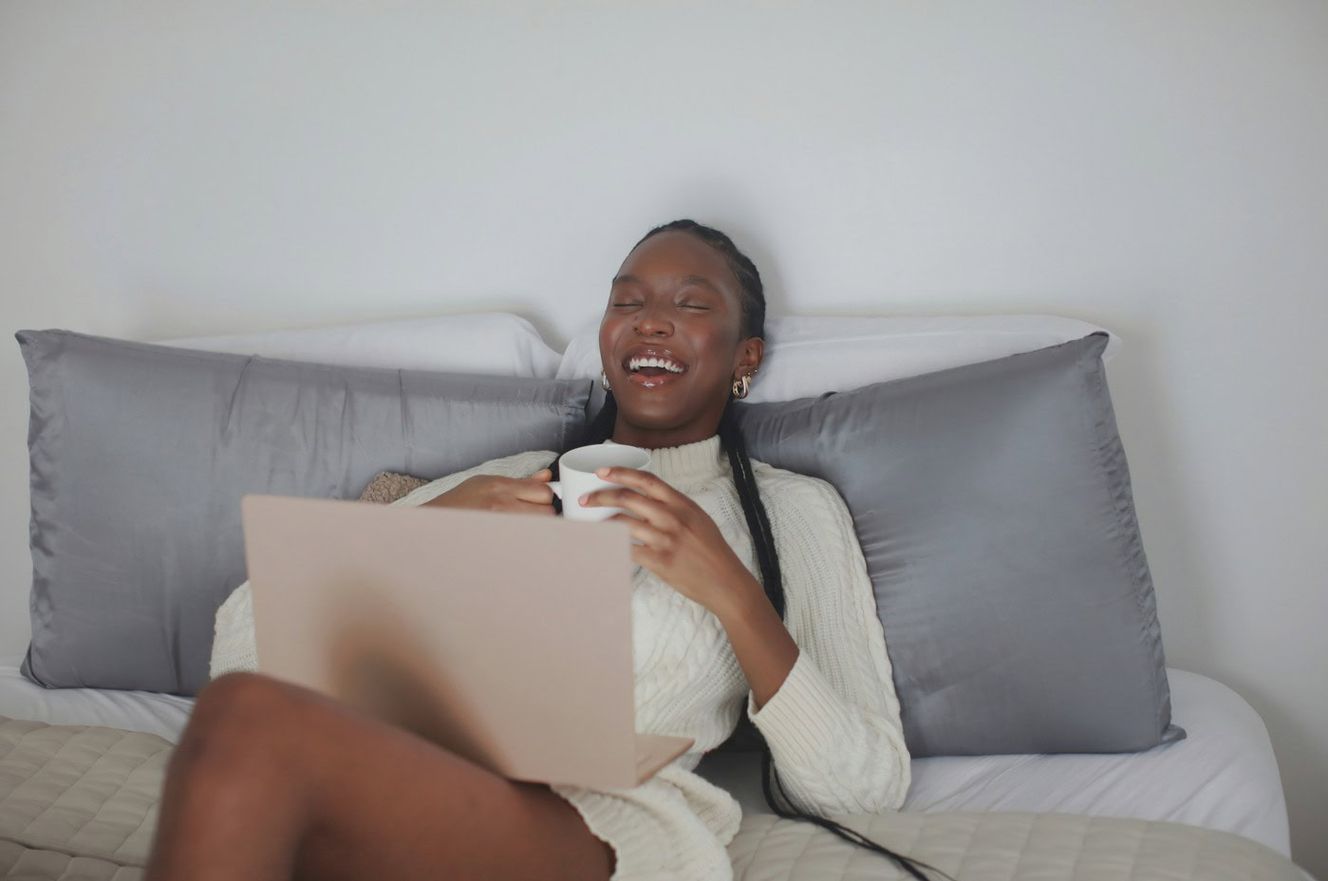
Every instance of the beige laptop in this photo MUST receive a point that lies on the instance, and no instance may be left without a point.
(505, 638)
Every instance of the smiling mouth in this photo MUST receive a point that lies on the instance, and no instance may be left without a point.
(652, 371)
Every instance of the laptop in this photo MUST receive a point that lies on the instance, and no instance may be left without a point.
(505, 638)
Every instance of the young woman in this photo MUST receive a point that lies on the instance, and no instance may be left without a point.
(751, 594)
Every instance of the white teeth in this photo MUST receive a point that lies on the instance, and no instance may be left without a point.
(639, 362)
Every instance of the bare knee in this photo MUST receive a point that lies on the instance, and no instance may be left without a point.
(241, 692)
(240, 699)
(239, 718)
(235, 768)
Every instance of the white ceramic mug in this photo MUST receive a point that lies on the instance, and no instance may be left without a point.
(576, 470)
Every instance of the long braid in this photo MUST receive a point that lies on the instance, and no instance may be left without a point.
(758, 523)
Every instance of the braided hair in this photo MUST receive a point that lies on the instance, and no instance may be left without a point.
(758, 523)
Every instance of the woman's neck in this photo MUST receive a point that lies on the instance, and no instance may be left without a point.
(654, 439)
(689, 465)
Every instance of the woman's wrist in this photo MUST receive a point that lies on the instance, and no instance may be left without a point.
(742, 600)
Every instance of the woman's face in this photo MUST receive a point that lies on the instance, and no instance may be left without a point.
(675, 301)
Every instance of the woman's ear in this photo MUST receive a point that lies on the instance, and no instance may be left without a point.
(750, 353)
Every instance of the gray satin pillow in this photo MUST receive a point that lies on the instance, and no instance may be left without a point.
(140, 454)
(993, 506)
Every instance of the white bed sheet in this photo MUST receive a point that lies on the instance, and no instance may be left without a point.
(160, 714)
(1222, 776)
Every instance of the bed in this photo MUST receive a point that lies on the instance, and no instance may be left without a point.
(1222, 776)
(90, 816)
(79, 766)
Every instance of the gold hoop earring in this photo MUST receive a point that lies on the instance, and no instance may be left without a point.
(741, 386)
(604, 381)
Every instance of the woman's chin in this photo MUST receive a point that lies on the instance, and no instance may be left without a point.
(651, 414)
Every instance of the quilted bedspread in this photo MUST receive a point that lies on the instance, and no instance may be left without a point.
(77, 802)
(80, 804)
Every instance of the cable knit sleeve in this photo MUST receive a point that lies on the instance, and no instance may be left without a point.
(833, 726)
(233, 646)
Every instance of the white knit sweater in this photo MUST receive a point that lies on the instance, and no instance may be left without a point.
(833, 726)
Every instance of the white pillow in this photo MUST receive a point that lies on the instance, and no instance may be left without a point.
(492, 342)
(809, 355)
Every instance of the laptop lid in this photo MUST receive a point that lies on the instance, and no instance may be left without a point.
(505, 638)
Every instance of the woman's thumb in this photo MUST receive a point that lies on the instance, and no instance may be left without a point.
(542, 474)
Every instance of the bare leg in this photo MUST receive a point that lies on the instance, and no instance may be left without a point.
(271, 781)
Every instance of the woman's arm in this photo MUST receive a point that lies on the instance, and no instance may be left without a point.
(821, 690)
(832, 718)
(764, 648)
(233, 648)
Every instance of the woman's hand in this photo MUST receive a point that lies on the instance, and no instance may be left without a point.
(487, 492)
(678, 540)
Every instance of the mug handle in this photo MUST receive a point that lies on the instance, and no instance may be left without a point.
(556, 486)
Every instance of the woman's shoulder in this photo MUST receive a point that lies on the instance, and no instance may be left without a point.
(805, 511)
(782, 488)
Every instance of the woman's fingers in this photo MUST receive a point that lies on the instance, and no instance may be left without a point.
(652, 510)
(534, 489)
(643, 532)
(642, 481)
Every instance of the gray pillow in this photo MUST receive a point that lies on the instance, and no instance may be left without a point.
(993, 506)
(140, 454)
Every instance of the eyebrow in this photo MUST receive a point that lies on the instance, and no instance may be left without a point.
(701, 282)
(698, 280)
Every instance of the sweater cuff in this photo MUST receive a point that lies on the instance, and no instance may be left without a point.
(800, 721)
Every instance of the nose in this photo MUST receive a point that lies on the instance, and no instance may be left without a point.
(651, 320)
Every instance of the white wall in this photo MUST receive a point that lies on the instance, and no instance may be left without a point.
(1159, 168)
